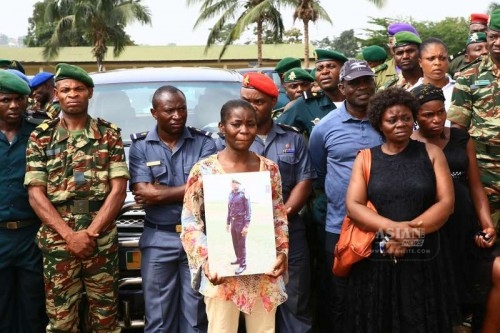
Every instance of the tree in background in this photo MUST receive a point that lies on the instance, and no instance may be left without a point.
(292, 36)
(346, 43)
(101, 23)
(41, 30)
(309, 11)
(453, 31)
(243, 14)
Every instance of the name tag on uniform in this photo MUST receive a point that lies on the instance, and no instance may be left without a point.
(481, 83)
(152, 163)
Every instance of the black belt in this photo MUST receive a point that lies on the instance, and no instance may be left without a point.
(81, 206)
(12, 225)
(164, 227)
(487, 149)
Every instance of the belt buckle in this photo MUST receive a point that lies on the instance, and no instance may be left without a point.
(80, 206)
(178, 228)
(12, 225)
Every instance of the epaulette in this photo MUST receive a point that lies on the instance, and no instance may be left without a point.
(195, 130)
(277, 112)
(380, 68)
(47, 124)
(103, 122)
(310, 95)
(138, 136)
(453, 56)
(289, 128)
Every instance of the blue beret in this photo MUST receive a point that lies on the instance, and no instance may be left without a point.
(394, 28)
(40, 79)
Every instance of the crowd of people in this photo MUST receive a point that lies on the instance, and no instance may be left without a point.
(433, 132)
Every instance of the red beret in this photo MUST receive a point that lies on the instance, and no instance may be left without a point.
(478, 18)
(261, 82)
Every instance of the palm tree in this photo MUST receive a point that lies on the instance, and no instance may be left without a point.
(102, 22)
(310, 11)
(259, 12)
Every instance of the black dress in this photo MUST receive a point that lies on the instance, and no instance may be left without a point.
(412, 295)
(471, 265)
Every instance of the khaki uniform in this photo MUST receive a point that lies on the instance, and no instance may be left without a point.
(76, 170)
(387, 74)
(475, 105)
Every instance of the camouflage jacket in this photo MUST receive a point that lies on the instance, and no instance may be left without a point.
(387, 74)
(476, 102)
(75, 167)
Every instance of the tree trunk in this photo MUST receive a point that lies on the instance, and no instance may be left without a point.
(259, 43)
(306, 44)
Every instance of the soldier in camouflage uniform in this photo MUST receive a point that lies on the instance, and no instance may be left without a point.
(375, 56)
(475, 107)
(76, 177)
(476, 48)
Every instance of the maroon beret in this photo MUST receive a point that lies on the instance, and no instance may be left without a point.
(261, 82)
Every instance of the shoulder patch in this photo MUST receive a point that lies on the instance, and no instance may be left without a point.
(311, 95)
(103, 122)
(138, 136)
(47, 124)
(195, 130)
(289, 128)
(380, 68)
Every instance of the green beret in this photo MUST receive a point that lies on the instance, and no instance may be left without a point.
(286, 63)
(476, 37)
(298, 74)
(404, 38)
(4, 63)
(313, 72)
(494, 21)
(66, 71)
(324, 55)
(374, 53)
(10, 83)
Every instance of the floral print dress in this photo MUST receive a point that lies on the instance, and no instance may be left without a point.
(242, 290)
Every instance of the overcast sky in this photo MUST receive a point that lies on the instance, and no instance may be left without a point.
(173, 21)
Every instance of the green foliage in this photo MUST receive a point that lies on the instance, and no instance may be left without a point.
(292, 36)
(59, 23)
(346, 43)
(453, 31)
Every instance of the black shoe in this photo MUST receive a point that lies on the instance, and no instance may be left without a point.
(240, 270)
(236, 262)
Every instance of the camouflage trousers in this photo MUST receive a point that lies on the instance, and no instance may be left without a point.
(67, 277)
(490, 177)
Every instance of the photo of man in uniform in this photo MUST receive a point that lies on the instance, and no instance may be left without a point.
(238, 219)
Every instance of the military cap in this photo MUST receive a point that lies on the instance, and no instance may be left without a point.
(298, 74)
(19, 74)
(478, 18)
(324, 55)
(10, 83)
(286, 63)
(260, 82)
(494, 21)
(40, 78)
(396, 27)
(67, 71)
(353, 69)
(313, 72)
(476, 37)
(374, 53)
(404, 38)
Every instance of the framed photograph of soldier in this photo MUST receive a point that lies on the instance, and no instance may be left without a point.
(239, 223)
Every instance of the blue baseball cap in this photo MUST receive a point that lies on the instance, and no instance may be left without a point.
(40, 78)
